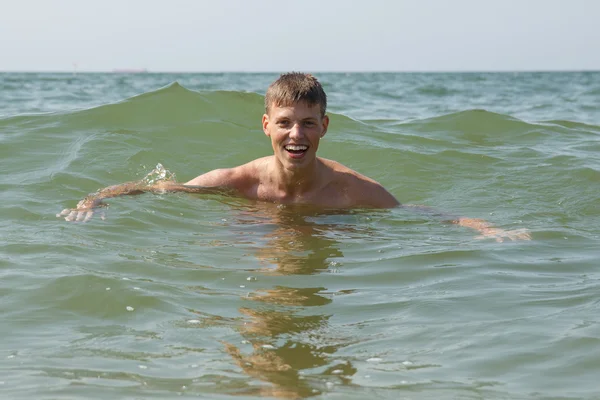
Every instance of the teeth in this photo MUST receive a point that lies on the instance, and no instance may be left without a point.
(296, 147)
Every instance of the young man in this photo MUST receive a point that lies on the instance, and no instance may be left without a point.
(295, 121)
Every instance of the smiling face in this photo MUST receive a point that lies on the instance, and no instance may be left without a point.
(295, 133)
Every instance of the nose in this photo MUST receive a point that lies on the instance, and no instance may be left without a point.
(296, 131)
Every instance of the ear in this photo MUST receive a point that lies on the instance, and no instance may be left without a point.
(265, 124)
(325, 125)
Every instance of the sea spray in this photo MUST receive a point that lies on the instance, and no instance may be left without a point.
(159, 173)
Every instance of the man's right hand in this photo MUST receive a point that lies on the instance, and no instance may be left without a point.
(84, 211)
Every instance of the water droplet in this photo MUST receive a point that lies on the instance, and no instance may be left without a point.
(129, 308)
(407, 363)
(142, 367)
(374, 359)
(107, 288)
(268, 346)
(136, 288)
(337, 371)
(193, 321)
(242, 286)
(251, 278)
(329, 385)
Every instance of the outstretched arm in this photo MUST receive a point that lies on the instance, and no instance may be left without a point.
(485, 229)
(85, 208)
(213, 182)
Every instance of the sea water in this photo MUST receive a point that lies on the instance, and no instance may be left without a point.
(217, 297)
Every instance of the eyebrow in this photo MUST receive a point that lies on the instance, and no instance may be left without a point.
(284, 117)
(303, 119)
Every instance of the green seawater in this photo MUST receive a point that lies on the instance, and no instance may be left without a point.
(187, 296)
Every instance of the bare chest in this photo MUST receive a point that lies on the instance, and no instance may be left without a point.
(331, 195)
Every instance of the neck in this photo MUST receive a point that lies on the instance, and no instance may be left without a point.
(295, 182)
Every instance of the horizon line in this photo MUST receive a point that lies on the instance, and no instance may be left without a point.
(147, 71)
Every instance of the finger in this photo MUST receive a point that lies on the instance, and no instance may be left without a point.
(524, 234)
(63, 212)
(520, 234)
(102, 215)
(72, 215)
(88, 216)
(80, 216)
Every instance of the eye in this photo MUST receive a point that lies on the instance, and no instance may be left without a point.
(310, 124)
(283, 123)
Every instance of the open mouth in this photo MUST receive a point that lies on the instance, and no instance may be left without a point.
(296, 150)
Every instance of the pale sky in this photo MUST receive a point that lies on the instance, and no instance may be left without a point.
(308, 35)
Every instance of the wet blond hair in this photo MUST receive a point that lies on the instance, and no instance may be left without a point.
(295, 87)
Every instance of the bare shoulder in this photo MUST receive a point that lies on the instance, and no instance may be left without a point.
(360, 190)
(237, 178)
